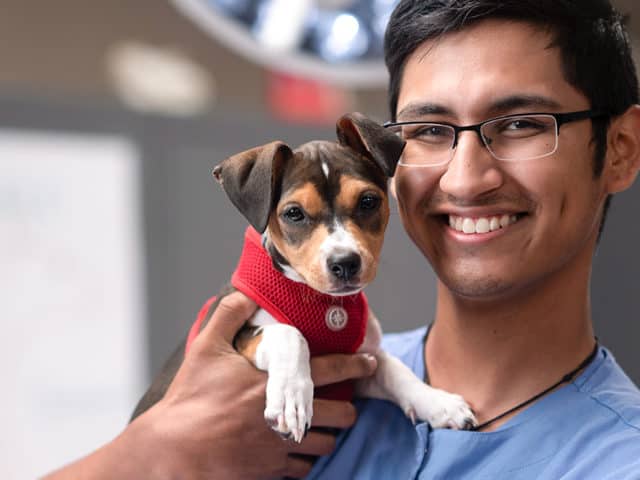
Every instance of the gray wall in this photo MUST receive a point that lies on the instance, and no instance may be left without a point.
(193, 234)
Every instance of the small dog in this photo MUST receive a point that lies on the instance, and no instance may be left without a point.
(318, 216)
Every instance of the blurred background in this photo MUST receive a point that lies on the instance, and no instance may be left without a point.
(112, 232)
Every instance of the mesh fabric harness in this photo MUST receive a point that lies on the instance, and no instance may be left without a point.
(319, 317)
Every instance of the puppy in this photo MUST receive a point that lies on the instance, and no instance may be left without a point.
(318, 216)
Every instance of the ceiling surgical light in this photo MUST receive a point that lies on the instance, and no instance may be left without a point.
(339, 41)
(346, 40)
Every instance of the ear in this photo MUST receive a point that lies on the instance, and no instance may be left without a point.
(250, 180)
(370, 139)
(623, 151)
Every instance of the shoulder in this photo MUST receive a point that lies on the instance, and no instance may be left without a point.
(614, 393)
(607, 438)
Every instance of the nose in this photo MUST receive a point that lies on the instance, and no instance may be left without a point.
(472, 171)
(344, 267)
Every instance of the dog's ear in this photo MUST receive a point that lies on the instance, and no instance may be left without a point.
(250, 180)
(371, 140)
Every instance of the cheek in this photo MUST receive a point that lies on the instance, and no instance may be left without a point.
(303, 257)
(556, 185)
(413, 187)
(565, 195)
(304, 254)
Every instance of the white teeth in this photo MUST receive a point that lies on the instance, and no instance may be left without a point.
(468, 226)
(481, 225)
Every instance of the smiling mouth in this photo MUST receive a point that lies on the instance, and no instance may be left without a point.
(480, 225)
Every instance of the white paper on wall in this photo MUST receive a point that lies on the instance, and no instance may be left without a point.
(72, 355)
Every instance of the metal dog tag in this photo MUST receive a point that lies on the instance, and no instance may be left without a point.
(336, 318)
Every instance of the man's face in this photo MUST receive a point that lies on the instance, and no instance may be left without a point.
(553, 203)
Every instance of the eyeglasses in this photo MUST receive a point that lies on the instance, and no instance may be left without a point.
(510, 137)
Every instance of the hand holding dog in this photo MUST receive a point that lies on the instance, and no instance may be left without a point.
(210, 422)
(229, 432)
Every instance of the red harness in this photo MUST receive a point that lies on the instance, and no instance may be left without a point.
(330, 324)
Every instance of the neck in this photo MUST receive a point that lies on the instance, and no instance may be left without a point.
(501, 352)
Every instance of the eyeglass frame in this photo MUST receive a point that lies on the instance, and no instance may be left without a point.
(560, 119)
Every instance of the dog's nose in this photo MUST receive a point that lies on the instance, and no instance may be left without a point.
(344, 267)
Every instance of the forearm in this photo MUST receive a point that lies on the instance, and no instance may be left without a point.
(210, 422)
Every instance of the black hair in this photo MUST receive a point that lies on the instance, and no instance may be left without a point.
(590, 35)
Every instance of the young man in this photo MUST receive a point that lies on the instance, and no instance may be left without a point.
(521, 119)
(507, 210)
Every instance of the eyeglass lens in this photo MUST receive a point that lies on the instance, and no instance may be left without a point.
(513, 138)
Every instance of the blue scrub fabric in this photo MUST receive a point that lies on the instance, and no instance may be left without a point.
(587, 429)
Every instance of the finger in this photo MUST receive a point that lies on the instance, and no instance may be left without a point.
(298, 467)
(316, 444)
(327, 369)
(333, 414)
(229, 316)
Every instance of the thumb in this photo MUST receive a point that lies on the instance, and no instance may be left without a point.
(231, 313)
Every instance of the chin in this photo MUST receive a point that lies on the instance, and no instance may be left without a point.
(485, 288)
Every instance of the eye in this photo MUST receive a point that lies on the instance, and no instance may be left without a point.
(293, 215)
(522, 127)
(369, 202)
(432, 133)
(521, 124)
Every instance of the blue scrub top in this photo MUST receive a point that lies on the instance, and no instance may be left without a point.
(588, 429)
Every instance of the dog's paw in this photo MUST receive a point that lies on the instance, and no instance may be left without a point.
(441, 410)
(289, 405)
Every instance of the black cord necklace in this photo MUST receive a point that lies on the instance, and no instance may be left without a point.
(566, 379)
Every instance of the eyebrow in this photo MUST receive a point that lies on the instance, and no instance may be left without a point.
(418, 110)
(500, 106)
(513, 102)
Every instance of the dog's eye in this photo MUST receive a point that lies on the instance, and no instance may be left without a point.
(369, 202)
(294, 214)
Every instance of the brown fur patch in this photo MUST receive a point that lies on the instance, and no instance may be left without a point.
(307, 196)
(352, 188)
(304, 257)
(369, 240)
(247, 343)
(370, 247)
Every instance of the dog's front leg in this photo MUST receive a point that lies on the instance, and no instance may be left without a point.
(283, 353)
(394, 381)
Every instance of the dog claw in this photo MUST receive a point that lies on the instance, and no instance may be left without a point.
(469, 424)
(411, 413)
